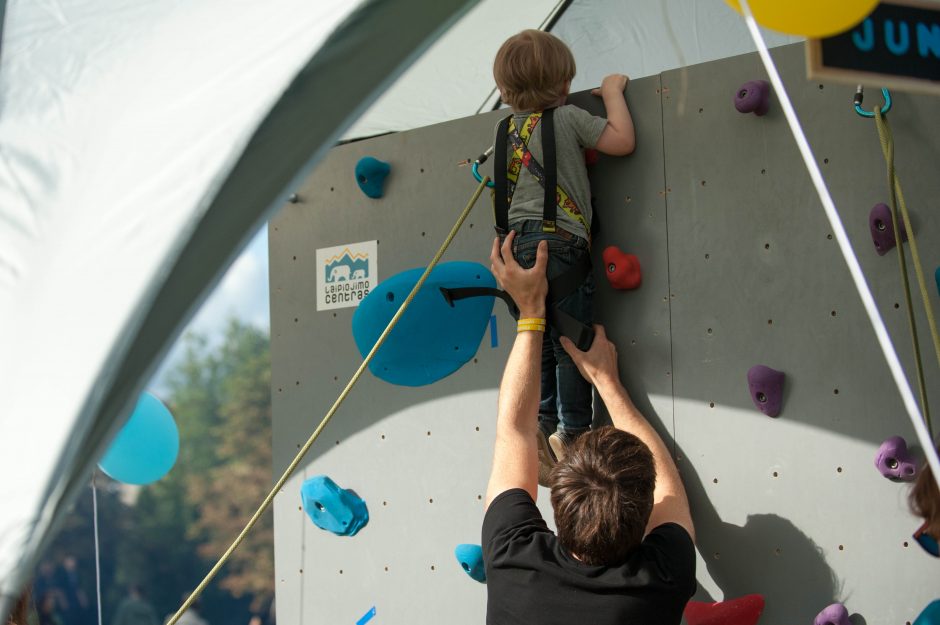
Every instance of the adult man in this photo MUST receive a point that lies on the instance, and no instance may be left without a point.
(624, 552)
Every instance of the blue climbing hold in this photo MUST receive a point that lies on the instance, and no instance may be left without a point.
(930, 615)
(370, 174)
(936, 276)
(332, 508)
(470, 558)
(433, 338)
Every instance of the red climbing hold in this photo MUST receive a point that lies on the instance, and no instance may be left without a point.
(744, 610)
(622, 269)
(591, 156)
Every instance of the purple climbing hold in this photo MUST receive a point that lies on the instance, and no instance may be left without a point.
(766, 386)
(753, 97)
(882, 228)
(835, 614)
(894, 461)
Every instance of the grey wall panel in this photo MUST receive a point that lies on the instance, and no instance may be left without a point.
(420, 457)
(739, 269)
(789, 507)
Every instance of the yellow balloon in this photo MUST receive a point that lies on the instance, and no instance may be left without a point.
(808, 18)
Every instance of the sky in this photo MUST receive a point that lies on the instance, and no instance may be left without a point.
(241, 293)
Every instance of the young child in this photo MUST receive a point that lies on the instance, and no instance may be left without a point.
(533, 71)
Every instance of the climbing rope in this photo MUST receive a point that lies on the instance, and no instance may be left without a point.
(329, 415)
(897, 200)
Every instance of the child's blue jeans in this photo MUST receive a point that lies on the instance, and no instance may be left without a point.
(566, 396)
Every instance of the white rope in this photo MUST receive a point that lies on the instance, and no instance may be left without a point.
(94, 507)
(881, 332)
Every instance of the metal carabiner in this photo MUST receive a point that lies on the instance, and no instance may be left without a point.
(859, 95)
(476, 167)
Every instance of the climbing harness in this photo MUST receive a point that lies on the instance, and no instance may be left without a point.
(506, 173)
(897, 201)
(845, 246)
(329, 415)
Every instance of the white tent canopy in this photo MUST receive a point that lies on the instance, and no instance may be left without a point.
(142, 143)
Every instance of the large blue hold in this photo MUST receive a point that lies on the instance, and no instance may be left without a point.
(432, 339)
(470, 558)
(930, 615)
(370, 175)
(332, 508)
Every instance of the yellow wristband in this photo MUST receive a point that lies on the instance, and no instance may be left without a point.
(531, 324)
(535, 320)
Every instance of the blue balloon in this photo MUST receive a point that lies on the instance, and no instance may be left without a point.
(146, 447)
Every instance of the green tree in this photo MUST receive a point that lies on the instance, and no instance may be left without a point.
(229, 492)
(167, 537)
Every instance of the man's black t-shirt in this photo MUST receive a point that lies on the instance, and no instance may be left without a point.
(532, 579)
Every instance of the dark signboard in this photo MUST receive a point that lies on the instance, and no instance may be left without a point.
(897, 46)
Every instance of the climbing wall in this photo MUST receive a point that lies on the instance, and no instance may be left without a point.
(739, 269)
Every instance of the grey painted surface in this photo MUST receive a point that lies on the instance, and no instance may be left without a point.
(420, 457)
(791, 507)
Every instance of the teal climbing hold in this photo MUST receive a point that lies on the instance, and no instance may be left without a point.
(936, 276)
(433, 338)
(930, 615)
(371, 174)
(332, 508)
(470, 558)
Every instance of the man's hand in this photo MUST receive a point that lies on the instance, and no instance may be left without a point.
(612, 84)
(527, 287)
(598, 365)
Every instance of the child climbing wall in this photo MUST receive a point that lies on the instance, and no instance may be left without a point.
(739, 269)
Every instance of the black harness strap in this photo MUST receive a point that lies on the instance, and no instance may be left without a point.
(500, 183)
(551, 173)
(559, 288)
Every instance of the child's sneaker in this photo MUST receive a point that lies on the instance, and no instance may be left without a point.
(547, 459)
(558, 442)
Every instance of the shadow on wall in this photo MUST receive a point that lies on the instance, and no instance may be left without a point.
(769, 555)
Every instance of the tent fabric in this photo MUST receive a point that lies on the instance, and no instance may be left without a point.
(455, 77)
(139, 145)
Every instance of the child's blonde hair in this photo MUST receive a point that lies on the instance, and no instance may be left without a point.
(532, 69)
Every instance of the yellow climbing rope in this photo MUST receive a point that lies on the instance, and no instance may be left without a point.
(897, 200)
(329, 415)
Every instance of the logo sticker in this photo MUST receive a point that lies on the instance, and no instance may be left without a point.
(346, 274)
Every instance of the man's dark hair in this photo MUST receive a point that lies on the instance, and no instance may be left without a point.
(602, 494)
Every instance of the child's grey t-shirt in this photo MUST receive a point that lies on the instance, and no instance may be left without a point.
(575, 129)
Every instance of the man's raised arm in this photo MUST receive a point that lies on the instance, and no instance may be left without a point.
(515, 456)
(599, 366)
